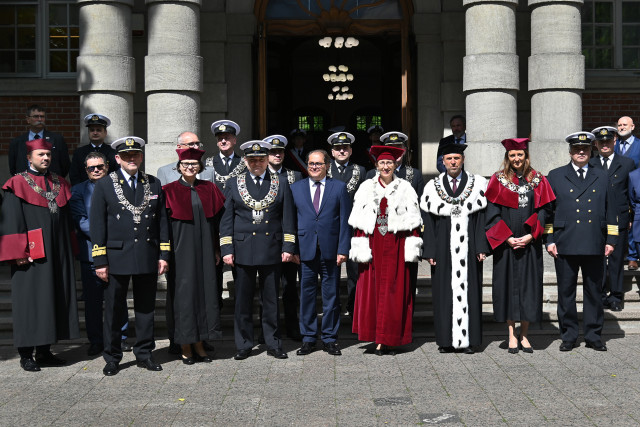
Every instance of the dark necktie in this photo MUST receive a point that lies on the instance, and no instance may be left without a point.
(258, 181)
(36, 136)
(133, 184)
(454, 186)
(316, 198)
(623, 147)
(605, 162)
(340, 169)
(581, 173)
(227, 163)
(457, 140)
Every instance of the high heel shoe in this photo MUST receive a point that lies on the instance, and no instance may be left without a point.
(379, 351)
(188, 360)
(206, 358)
(514, 350)
(525, 349)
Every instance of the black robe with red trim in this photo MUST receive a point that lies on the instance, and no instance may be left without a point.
(517, 274)
(43, 292)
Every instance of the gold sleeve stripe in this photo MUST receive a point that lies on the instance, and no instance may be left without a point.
(422, 228)
(98, 250)
(548, 229)
(225, 240)
(291, 238)
(165, 246)
(612, 230)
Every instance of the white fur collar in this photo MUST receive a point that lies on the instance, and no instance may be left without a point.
(436, 202)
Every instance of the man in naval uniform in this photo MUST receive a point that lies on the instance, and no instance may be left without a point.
(257, 235)
(97, 125)
(580, 232)
(353, 175)
(130, 236)
(617, 168)
(290, 270)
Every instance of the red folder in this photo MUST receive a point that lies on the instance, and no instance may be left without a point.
(36, 244)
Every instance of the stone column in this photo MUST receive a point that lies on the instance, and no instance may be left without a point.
(106, 68)
(490, 81)
(173, 77)
(556, 79)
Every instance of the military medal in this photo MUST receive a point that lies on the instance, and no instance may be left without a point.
(136, 211)
(49, 195)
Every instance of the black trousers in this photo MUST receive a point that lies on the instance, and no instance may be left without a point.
(567, 267)
(245, 290)
(115, 309)
(27, 352)
(613, 280)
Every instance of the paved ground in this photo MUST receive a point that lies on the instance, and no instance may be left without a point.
(419, 386)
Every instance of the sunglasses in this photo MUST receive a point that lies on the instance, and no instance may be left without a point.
(98, 167)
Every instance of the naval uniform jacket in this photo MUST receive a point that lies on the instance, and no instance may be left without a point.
(618, 173)
(77, 173)
(127, 247)
(254, 243)
(347, 177)
(582, 221)
(221, 169)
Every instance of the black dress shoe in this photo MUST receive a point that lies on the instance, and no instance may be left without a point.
(48, 359)
(149, 365)
(125, 346)
(445, 349)
(174, 348)
(332, 348)
(205, 359)
(207, 347)
(111, 369)
(513, 350)
(524, 349)
(94, 349)
(567, 346)
(29, 365)
(615, 306)
(468, 350)
(596, 345)
(242, 354)
(307, 348)
(188, 360)
(277, 353)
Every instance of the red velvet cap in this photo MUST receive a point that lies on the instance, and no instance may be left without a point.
(38, 144)
(515, 143)
(190, 154)
(386, 152)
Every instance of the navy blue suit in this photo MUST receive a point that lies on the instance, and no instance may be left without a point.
(633, 152)
(322, 236)
(92, 286)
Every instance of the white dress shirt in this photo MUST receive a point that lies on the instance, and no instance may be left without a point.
(312, 188)
(576, 168)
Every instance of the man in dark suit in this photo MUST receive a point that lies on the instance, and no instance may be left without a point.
(581, 230)
(97, 127)
(169, 172)
(130, 236)
(628, 145)
(323, 207)
(257, 234)
(96, 165)
(290, 270)
(352, 175)
(18, 148)
(617, 168)
(458, 135)
(296, 154)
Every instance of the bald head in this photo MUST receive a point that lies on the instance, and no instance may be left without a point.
(625, 127)
(188, 139)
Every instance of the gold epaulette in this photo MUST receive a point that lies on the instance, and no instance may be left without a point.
(612, 230)
(165, 246)
(548, 229)
(98, 251)
(225, 240)
(290, 238)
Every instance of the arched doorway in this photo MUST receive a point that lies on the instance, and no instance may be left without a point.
(362, 78)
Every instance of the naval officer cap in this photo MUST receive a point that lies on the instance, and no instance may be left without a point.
(341, 138)
(276, 141)
(255, 148)
(298, 131)
(96, 119)
(225, 126)
(580, 138)
(376, 129)
(128, 143)
(604, 132)
(394, 138)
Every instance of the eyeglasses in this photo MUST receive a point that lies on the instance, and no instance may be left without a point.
(98, 167)
(37, 116)
(192, 145)
(316, 165)
(189, 165)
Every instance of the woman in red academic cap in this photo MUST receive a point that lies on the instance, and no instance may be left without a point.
(519, 200)
(386, 220)
(194, 207)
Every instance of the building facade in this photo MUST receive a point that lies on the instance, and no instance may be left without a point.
(543, 68)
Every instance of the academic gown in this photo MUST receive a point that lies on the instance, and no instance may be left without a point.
(451, 318)
(43, 292)
(517, 274)
(194, 215)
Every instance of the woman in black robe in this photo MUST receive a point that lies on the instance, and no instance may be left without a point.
(194, 207)
(519, 198)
